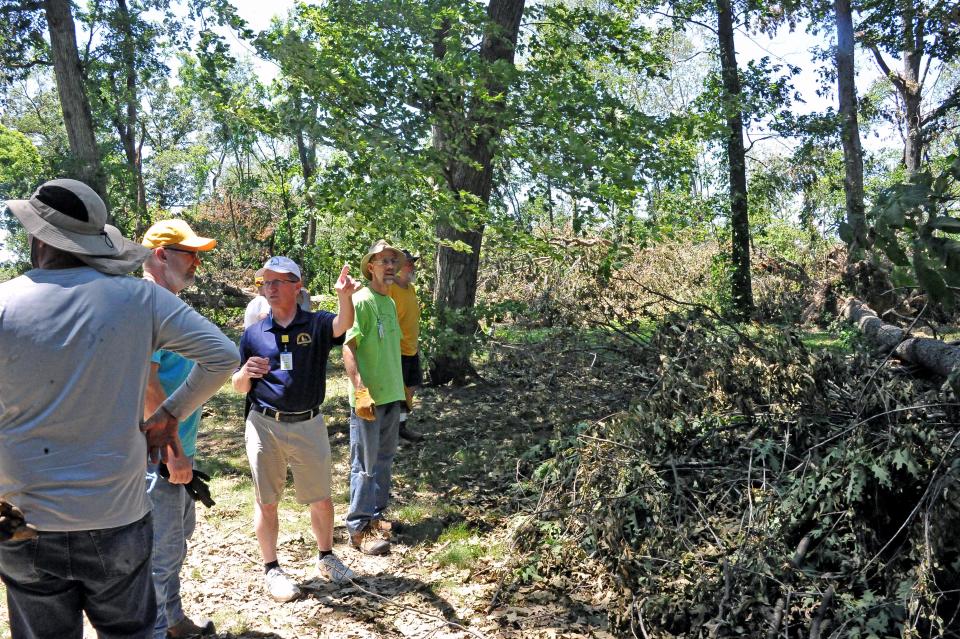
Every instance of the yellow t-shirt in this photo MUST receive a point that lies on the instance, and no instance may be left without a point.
(408, 313)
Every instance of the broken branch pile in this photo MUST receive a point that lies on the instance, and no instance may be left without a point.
(758, 488)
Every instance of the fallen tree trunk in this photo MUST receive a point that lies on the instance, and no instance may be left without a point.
(932, 354)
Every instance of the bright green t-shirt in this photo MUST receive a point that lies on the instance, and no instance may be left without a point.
(376, 334)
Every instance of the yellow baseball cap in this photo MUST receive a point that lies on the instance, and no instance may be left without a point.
(170, 232)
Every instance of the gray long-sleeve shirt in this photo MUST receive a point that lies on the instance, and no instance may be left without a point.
(75, 349)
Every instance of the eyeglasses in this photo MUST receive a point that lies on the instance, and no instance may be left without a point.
(269, 283)
(387, 262)
(180, 250)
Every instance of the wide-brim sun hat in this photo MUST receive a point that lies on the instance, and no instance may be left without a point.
(68, 215)
(378, 247)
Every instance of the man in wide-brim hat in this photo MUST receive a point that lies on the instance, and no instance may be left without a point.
(371, 357)
(76, 337)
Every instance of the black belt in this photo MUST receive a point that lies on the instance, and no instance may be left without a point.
(282, 416)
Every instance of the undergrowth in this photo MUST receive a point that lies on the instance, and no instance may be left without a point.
(757, 487)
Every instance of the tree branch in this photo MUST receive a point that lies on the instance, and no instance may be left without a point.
(952, 102)
(29, 65)
(896, 79)
(704, 25)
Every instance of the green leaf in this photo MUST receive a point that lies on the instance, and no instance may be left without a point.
(933, 283)
(945, 223)
(891, 248)
(893, 215)
(845, 231)
(882, 475)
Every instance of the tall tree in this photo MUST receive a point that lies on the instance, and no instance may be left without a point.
(741, 289)
(73, 96)
(855, 233)
(924, 34)
(468, 139)
(125, 113)
(426, 98)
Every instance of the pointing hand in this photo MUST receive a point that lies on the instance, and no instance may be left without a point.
(346, 285)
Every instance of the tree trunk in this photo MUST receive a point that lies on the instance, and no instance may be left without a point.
(468, 140)
(850, 131)
(73, 97)
(126, 123)
(913, 27)
(907, 83)
(307, 151)
(741, 288)
(931, 354)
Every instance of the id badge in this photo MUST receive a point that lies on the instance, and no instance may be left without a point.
(286, 361)
(380, 328)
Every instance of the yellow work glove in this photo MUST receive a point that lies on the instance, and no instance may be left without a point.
(409, 393)
(364, 405)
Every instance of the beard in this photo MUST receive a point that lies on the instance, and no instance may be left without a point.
(182, 280)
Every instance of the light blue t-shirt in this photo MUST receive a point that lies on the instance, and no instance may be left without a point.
(173, 371)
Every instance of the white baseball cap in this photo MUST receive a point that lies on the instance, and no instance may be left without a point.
(280, 264)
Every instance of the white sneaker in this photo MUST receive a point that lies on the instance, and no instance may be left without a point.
(280, 586)
(332, 569)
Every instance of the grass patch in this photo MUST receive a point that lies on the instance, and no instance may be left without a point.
(825, 340)
(419, 511)
(461, 547)
(459, 555)
(456, 533)
(518, 335)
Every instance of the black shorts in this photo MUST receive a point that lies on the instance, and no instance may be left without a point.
(410, 365)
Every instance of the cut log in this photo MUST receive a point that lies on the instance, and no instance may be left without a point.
(931, 354)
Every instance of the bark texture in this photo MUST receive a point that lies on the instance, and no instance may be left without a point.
(932, 354)
(850, 130)
(468, 138)
(741, 285)
(73, 96)
(125, 118)
(908, 83)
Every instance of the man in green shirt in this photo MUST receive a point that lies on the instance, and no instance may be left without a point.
(371, 358)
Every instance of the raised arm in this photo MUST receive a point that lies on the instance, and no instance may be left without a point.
(345, 287)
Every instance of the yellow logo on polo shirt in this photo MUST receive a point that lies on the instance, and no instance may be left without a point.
(303, 339)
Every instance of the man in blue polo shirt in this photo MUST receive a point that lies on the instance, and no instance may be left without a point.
(283, 372)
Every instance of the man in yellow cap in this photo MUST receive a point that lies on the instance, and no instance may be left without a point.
(174, 257)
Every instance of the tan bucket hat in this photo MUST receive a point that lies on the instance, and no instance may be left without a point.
(70, 216)
(378, 247)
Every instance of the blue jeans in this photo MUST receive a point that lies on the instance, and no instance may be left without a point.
(174, 520)
(373, 446)
(57, 576)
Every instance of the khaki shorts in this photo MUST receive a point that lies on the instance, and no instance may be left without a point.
(271, 445)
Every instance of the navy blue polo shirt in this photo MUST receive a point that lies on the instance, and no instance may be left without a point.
(309, 338)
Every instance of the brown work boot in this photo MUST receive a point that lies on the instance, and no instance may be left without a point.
(370, 541)
(385, 527)
(187, 628)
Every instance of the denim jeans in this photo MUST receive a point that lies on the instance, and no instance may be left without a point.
(55, 577)
(373, 446)
(174, 520)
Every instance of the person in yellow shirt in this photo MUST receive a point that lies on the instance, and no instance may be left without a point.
(404, 295)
